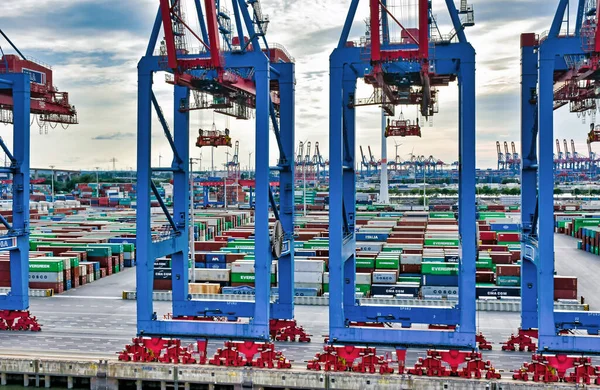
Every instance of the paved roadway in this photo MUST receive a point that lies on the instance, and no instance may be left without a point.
(94, 321)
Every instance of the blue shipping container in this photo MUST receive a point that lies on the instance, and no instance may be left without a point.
(216, 258)
(439, 280)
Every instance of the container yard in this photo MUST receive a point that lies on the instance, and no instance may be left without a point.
(309, 267)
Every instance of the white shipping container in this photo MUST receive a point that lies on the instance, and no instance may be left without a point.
(385, 277)
(410, 259)
(439, 290)
(308, 277)
(309, 265)
(212, 275)
(369, 246)
(46, 277)
(318, 286)
(247, 267)
(361, 278)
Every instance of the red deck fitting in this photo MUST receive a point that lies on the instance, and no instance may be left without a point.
(524, 339)
(474, 367)
(350, 358)
(18, 320)
(482, 342)
(288, 330)
(241, 353)
(156, 349)
(553, 368)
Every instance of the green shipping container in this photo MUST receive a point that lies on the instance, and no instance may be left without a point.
(94, 251)
(363, 288)
(365, 263)
(45, 265)
(387, 264)
(441, 242)
(508, 281)
(439, 268)
(484, 264)
(247, 278)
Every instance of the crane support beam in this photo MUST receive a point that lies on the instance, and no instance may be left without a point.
(18, 299)
(245, 76)
(347, 65)
(213, 33)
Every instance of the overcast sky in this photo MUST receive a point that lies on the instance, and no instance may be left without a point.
(94, 46)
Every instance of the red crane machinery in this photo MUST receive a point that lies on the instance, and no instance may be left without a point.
(213, 138)
(402, 128)
(48, 104)
(594, 134)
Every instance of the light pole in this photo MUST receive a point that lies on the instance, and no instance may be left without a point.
(52, 167)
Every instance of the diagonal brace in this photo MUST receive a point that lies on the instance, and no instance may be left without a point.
(273, 204)
(163, 206)
(282, 156)
(12, 159)
(165, 127)
(4, 222)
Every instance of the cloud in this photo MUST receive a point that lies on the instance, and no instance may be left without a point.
(114, 136)
(94, 47)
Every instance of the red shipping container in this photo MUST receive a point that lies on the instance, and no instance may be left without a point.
(163, 285)
(501, 257)
(493, 248)
(508, 270)
(410, 268)
(565, 283)
(484, 277)
(565, 294)
(208, 246)
(487, 236)
(516, 255)
(57, 287)
(509, 237)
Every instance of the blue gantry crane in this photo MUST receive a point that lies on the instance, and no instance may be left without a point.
(402, 70)
(558, 68)
(26, 89)
(234, 72)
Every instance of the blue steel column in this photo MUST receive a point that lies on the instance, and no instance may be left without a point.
(285, 264)
(336, 224)
(529, 78)
(262, 254)
(545, 255)
(181, 191)
(145, 257)
(466, 201)
(349, 186)
(19, 258)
